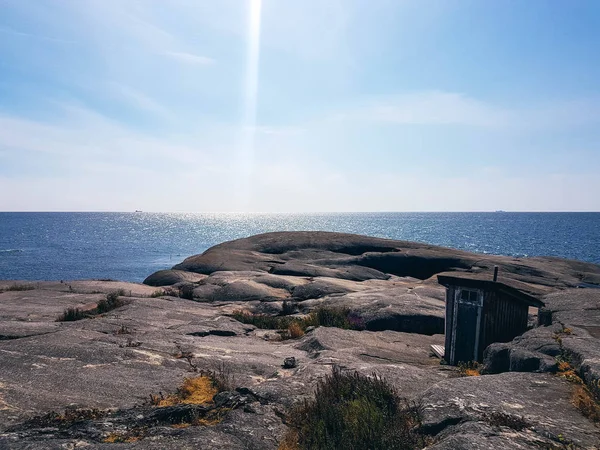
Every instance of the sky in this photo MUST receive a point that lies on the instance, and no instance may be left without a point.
(299, 106)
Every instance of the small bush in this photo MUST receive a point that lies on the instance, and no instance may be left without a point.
(331, 317)
(187, 291)
(71, 315)
(20, 287)
(123, 330)
(111, 302)
(324, 316)
(262, 321)
(157, 293)
(352, 411)
(222, 377)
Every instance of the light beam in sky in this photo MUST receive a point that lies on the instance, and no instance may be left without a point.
(246, 159)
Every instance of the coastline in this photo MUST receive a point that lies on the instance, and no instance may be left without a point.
(195, 319)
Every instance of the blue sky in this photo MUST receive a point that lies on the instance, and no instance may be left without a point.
(283, 106)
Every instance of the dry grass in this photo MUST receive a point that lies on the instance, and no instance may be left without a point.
(567, 371)
(470, 369)
(295, 330)
(584, 401)
(565, 331)
(290, 441)
(196, 391)
(126, 437)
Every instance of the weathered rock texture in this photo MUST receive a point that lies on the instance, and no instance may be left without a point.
(114, 362)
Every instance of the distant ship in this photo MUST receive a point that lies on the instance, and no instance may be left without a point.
(500, 211)
(137, 210)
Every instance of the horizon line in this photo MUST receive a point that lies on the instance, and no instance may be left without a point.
(295, 212)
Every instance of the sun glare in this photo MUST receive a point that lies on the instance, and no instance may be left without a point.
(246, 160)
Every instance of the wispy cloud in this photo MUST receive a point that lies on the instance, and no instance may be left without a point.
(450, 108)
(138, 99)
(276, 130)
(190, 58)
(12, 32)
(84, 136)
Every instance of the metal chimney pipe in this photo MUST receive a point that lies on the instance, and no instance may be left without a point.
(495, 273)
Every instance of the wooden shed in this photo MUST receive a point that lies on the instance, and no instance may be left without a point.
(480, 312)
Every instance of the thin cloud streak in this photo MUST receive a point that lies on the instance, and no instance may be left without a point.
(35, 36)
(190, 58)
(450, 108)
(139, 100)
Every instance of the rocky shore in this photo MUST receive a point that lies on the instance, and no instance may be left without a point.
(116, 377)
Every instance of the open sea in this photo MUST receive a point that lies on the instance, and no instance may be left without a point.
(130, 246)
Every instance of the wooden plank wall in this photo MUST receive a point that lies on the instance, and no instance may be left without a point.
(449, 320)
(504, 319)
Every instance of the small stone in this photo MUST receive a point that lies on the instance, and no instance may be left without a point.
(289, 363)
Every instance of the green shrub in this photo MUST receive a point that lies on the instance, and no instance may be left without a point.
(111, 302)
(262, 321)
(20, 287)
(321, 317)
(187, 291)
(353, 411)
(71, 315)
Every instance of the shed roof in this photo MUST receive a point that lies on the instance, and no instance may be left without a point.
(478, 282)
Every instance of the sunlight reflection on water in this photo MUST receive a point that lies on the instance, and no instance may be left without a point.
(130, 246)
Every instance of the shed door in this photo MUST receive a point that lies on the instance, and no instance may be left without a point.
(466, 329)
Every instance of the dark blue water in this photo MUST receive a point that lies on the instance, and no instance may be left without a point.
(130, 246)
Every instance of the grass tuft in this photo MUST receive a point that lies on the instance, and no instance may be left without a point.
(20, 287)
(71, 315)
(196, 391)
(295, 327)
(200, 389)
(295, 331)
(586, 402)
(111, 302)
(469, 369)
(128, 436)
(353, 411)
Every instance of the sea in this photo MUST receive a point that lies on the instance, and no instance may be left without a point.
(131, 246)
